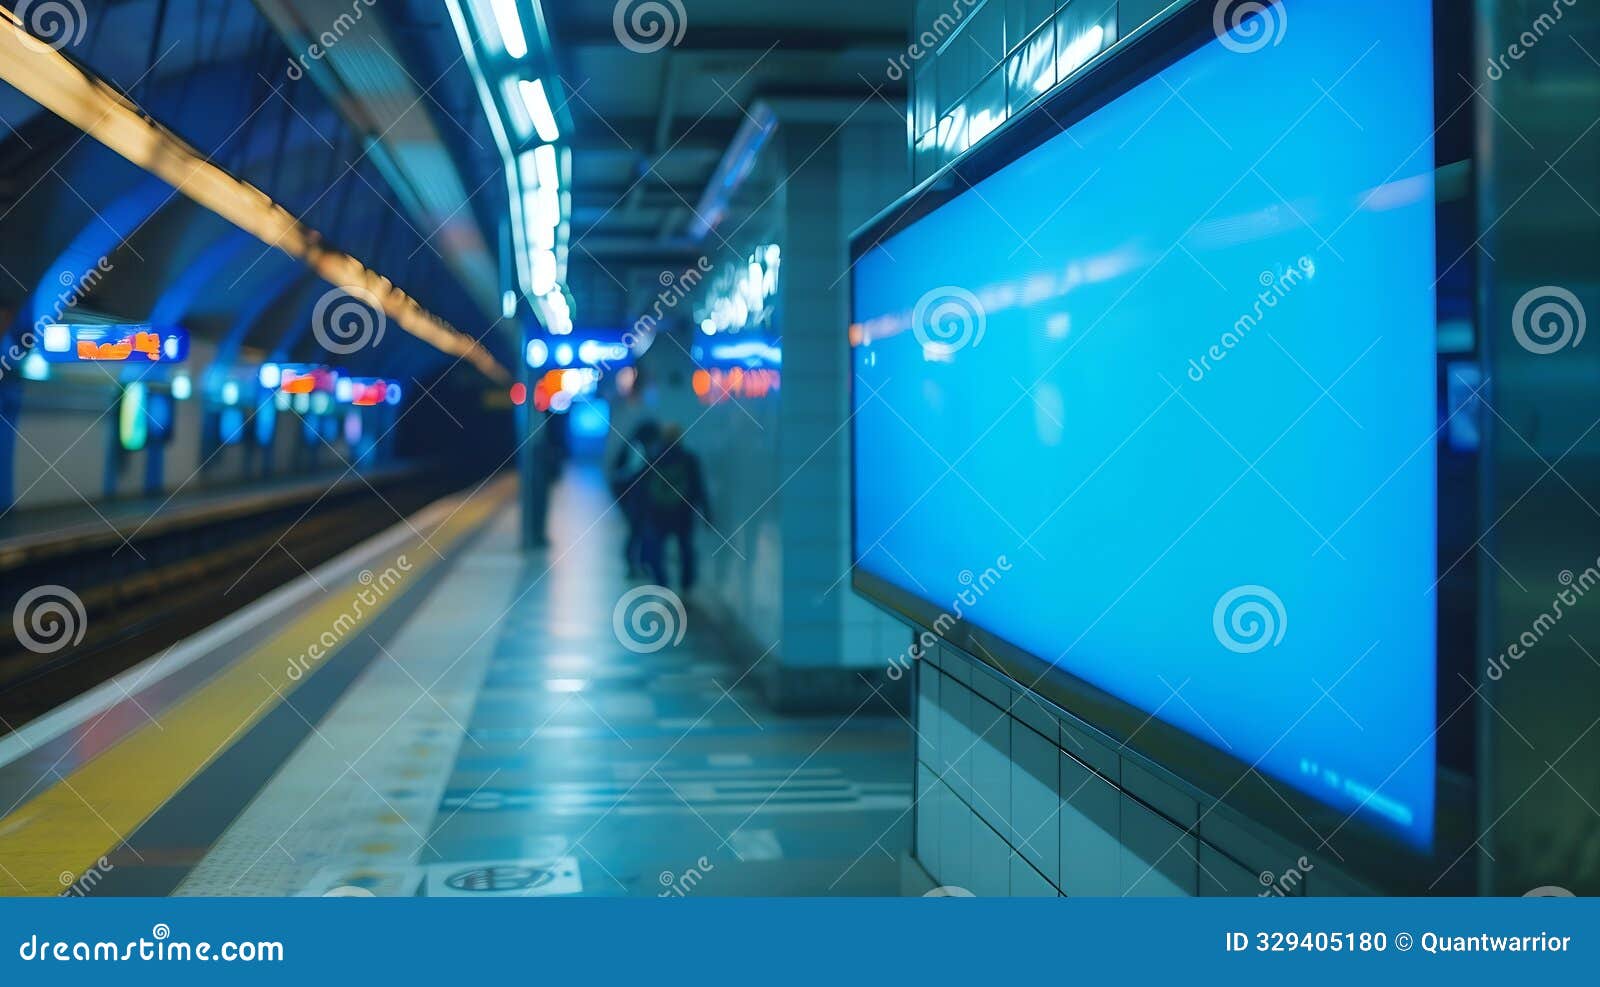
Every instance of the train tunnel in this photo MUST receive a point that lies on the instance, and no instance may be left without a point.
(735, 448)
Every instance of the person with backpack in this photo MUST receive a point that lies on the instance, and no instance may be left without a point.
(674, 498)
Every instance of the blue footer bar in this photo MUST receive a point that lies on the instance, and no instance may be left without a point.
(744, 942)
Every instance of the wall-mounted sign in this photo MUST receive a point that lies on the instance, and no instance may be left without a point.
(368, 392)
(64, 343)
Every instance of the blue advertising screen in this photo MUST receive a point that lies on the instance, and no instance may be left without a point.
(1170, 375)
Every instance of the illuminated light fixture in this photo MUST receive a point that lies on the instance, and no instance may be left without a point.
(344, 390)
(321, 403)
(391, 397)
(508, 305)
(230, 392)
(35, 367)
(61, 86)
(509, 23)
(516, 109)
(270, 376)
(538, 353)
(352, 427)
(537, 103)
(57, 338)
(133, 424)
(519, 394)
(564, 354)
(544, 158)
(544, 271)
(182, 387)
(302, 403)
(1078, 52)
(281, 400)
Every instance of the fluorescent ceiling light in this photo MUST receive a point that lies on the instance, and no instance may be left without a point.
(544, 158)
(544, 271)
(537, 103)
(509, 22)
(516, 108)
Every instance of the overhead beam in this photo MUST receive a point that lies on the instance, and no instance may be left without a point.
(100, 111)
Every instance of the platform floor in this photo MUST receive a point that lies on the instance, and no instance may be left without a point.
(476, 729)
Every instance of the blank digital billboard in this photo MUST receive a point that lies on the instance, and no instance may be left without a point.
(1176, 365)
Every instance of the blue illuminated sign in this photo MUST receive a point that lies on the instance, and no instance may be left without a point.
(1192, 439)
(66, 343)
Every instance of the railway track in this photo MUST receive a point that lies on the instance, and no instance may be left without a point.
(180, 581)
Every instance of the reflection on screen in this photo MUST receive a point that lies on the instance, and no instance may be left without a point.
(1176, 365)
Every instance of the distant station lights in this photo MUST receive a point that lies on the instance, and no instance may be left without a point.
(61, 343)
(741, 295)
(322, 387)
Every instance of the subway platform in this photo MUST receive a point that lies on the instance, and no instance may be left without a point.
(437, 713)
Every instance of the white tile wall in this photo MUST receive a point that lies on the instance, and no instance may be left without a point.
(1014, 797)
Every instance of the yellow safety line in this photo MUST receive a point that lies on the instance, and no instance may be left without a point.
(86, 815)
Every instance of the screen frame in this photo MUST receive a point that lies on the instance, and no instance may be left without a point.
(1366, 851)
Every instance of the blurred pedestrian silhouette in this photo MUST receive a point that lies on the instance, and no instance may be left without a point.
(674, 499)
(626, 476)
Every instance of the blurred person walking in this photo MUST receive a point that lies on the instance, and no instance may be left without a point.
(675, 497)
